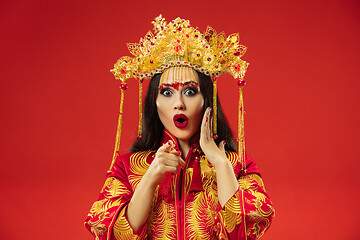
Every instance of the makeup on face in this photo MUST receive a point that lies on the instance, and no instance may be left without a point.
(180, 120)
(180, 102)
(176, 85)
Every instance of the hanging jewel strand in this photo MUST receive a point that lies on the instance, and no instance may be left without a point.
(123, 87)
(140, 109)
(215, 136)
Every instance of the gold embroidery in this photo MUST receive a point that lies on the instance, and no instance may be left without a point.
(233, 158)
(122, 229)
(258, 179)
(114, 188)
(209, 181)
(138, 166)
(97, 228)
(208, 172)
(220, 229)
(252, 184)
(259, 226)
(201, 220)
(232, 212)
(162, 220)
(188, 178)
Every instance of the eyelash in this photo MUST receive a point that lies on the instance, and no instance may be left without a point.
(194, 90)
(165, 91)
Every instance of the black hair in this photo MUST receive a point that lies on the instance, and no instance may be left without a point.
(153, 128)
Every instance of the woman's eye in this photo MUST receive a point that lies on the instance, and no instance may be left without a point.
(166, 92)
(190, 91)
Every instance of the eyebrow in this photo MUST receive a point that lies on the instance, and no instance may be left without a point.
(176, 85)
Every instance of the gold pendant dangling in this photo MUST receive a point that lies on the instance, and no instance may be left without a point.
(140, 110)
(123, 87)
(241, 127)
(241, 142)
(215, 136)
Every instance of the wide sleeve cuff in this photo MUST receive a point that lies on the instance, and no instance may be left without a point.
(123, 230)
(231, 213)
(249, 211)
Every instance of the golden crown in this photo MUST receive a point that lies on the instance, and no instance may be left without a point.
(178, 44)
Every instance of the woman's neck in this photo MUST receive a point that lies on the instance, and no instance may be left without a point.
(184, 146)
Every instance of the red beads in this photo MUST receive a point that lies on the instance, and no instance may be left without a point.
(241, 83)
(139, 137)
(123, 86)
(237, 67)
(123, 71)
(176, 85)
(177, 48)
(237, 53)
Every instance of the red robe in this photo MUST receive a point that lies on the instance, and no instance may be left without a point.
(185, 205)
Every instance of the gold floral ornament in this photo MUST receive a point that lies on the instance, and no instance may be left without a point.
(178, 44)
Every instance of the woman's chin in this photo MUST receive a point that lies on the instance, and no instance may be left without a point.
(182, 134)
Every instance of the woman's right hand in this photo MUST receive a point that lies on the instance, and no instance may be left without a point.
(167, 159)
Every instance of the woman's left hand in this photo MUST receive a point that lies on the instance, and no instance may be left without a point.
(215, 154)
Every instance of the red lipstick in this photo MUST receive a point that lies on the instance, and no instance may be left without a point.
(180, 120)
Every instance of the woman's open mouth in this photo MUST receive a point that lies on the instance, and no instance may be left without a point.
(180, 120)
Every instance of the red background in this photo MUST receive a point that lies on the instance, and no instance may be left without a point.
(59, 105)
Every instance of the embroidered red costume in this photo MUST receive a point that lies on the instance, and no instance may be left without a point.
(185, 205)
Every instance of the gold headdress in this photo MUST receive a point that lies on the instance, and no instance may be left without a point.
(178, 44)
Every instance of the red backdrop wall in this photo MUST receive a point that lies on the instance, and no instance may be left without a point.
(59, 105)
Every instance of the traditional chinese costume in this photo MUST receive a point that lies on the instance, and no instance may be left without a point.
(185, 205)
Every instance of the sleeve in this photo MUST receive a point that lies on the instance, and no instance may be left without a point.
(106, 219)
(249, 212)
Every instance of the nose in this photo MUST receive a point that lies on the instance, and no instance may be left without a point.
(178, 102)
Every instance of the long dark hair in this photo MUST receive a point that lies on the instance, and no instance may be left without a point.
(153, 128)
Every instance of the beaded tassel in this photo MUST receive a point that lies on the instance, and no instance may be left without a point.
(140, 109)
(241, 129)
(214, 80)
(241, 142)
(123, 87)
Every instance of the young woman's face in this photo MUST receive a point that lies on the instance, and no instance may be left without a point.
(180, 102)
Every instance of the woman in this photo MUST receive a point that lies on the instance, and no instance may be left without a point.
(178, 182)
